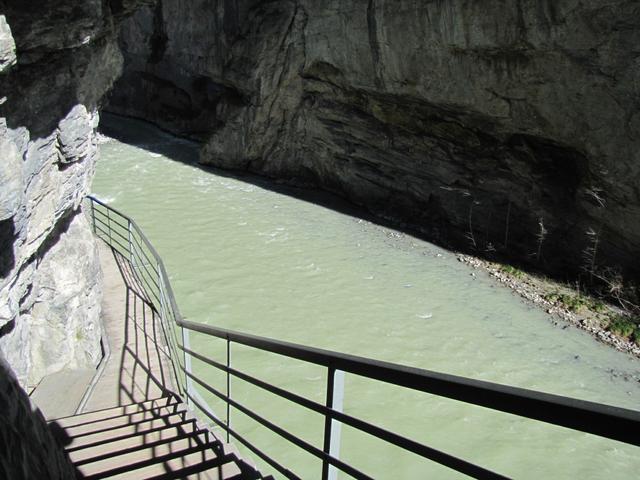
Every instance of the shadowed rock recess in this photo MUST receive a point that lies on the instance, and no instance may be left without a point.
(510, 129)
(31, 449)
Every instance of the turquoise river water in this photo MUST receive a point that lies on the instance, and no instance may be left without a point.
(246, 256)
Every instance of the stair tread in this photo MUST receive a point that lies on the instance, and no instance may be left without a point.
(145, 452)
(136, 442)
(106, 427)
(139, 467)
(84, 417)
(209, 469)
(126, 419)
(109, 434)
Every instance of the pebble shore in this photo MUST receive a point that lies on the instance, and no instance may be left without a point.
(535, 291)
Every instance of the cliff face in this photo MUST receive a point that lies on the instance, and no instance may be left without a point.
(507, 128)
(58, 59)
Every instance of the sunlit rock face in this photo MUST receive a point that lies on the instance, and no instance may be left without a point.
(506, 128)
(57, 60)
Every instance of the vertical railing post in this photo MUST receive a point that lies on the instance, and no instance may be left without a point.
(136, 259)
(228, 387)
(187, 364)
(93, 215)
(131, 243)
(182, 387)
(163, 306)
(327, 422)
(109, 227)
(162, 318)
(337, 404)
(332, 428)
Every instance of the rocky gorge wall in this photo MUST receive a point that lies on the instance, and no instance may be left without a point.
(510, 129)
(57, 60)
(56, 67)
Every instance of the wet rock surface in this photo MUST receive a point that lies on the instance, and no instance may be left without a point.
(510, 130)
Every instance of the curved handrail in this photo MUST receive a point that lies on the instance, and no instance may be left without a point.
(599, 419)
(152, 250)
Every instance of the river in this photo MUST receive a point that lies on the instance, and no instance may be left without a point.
(264, 259)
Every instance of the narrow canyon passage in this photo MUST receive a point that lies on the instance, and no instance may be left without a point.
(244, 255)
(509, 130)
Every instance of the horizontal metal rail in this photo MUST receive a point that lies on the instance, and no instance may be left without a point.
(297, 441)
(603, 420)
(280, 468)
(382, 434)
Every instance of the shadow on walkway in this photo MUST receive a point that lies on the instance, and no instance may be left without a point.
(136, 426)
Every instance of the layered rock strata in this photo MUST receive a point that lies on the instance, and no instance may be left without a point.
(56, 69)
(506, 128)
(57, 59)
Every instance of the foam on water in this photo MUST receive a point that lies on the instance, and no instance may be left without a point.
(108, 198)
(244, 257)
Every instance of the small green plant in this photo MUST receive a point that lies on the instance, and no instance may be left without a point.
(622, 326)
(571, 302)
(551, 297)
(513, 271)
(576, 302)
(636, 336)
(598, 307)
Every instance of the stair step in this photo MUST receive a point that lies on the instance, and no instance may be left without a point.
(129, 439)
(146, 451)
(143, 427)
(105, 427)
(85, 417)
(209, 469)
(137, 442)
(127, 419)
(138, 468)
(192, 466)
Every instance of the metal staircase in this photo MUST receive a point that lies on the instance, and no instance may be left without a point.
(157, 439)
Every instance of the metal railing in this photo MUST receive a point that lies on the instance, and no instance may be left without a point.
(123, 235)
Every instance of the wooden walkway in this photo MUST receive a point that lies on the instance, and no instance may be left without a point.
(133, 425)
